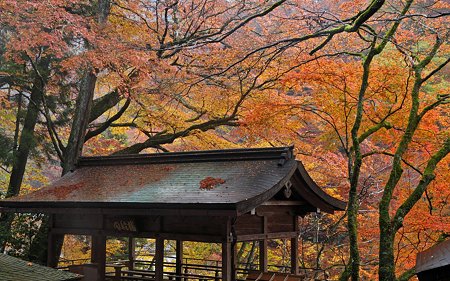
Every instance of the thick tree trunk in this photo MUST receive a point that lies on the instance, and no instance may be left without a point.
(354, 173)
(39, 247)
(352, 226)
(74, 147)
(80, 122)
(386, 254)
(20, 156)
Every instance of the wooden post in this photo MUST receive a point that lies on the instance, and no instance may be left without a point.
(98, 255)
(159, 259)
(131, 252)
(294, 249)
(51, 253)
(234, 259)
(294, 255)
(52, 240)
(227, 253)
(117, 273)
(263, 248)
(263, 255)
(179, 259)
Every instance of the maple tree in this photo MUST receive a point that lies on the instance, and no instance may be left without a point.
(131, 76)
(67, 48)
(369, 103)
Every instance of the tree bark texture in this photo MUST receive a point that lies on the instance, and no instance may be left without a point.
(75, 143)
(26, 143)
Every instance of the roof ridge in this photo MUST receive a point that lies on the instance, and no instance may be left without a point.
(240, 154)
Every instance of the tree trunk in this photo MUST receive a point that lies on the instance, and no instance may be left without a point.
(39, 246)
(80, 122)
(74, 147)
(386, 255)
(352, 227)
(20, 156)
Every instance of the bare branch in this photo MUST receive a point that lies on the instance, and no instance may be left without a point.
(107, 123)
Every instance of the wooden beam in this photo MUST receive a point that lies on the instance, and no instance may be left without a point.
(264, 210)
(123, 211)
(275, 235)
(284, 203)
(98, 255)
(167, 236)
(179, 259)
(159, 259)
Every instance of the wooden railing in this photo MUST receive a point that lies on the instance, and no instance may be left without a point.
(193, 269)
(65, 263)
(144, 270)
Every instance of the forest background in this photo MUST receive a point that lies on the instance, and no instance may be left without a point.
(359, 87)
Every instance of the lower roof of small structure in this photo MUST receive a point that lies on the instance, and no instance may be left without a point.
(236, 179)
(14, 269)
(434, 257)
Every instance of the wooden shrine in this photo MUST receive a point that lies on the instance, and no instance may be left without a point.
(220, 196)
(433, 264)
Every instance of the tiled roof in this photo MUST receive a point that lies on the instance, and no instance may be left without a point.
(221, 179)
(14, 269)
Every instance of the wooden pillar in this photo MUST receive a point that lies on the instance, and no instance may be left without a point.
(179, 259)
(227, 261)
(131, 252)
(294, 255)
(159, 259)
(98, 255)
(234, 259)
(294, 248)
(263, 255)
(52, 241)
(51, 253)
(263, 248)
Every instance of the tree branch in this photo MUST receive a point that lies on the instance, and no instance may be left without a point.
(434, 71)
(56, 141)
(104, 103)
(427, 176)
(374, 129)
(107, 124)
(392, 155)
(166, 138)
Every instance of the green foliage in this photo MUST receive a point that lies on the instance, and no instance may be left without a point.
(6, 147)
(23, 231)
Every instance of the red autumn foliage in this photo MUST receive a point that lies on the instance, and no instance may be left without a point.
(63, 192)
(209, 183)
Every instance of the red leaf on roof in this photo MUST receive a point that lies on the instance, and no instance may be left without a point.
(209, 183)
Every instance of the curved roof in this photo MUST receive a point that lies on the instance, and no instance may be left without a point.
(239, 179)
(434, 257)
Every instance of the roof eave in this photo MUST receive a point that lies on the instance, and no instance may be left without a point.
(50, 207)
(250, 204)
(242, 154)
(328, 203)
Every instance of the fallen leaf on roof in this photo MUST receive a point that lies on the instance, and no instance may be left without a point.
(209, 183)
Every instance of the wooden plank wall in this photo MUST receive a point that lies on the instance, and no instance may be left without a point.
(260, 225)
